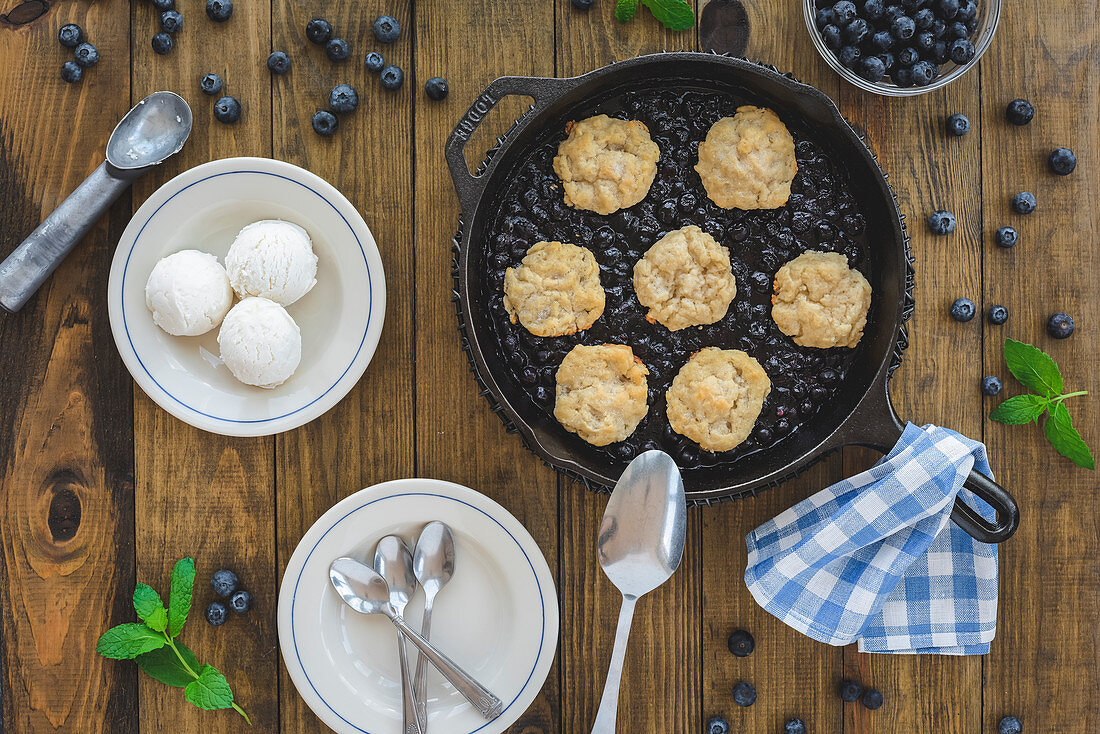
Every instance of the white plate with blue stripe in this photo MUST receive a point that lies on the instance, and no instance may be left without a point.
(497, 618)
(341, 318)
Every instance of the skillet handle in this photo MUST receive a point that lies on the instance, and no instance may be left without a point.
(542, 89)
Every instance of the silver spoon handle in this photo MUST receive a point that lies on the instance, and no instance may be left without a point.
(483, 700)
(609, 704)
(411, 722)
(28, 266)
(420, 679)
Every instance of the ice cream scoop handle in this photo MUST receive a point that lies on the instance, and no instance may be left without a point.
(28, 266)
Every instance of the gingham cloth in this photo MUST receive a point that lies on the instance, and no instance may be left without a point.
(876, 559)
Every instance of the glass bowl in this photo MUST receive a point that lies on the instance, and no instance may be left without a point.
(989, 14)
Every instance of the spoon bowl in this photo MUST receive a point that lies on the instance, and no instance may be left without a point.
(360, 587)
(434, 557)
(156, 128)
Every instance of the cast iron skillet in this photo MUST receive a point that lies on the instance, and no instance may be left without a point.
(863, 414)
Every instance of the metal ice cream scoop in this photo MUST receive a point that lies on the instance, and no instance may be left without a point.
(156, 128)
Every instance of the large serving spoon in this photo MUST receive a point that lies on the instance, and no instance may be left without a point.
(640, 545)
(366, 592)
(434, 565)
(156, 128)
(393, 562)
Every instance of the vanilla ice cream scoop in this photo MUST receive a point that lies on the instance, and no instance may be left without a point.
(272, 259)
(188, 293)
(260, 343)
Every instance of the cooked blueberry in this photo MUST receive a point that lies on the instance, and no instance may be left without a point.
(171, 21)
(872, 697)
(1060, 325)
(162, 43)
(1006, 237)
(924, 72)
(70, 35)
(794, 726)
(831, 35)
(386, 29)
(941, 222)
(845, 12)
(337, 49)
(824, 17)
(1010, 725)
(224, 582)
(958, 124)
(872, 69)
(963, 309)
(857, 31)
(924, 19)
(908, 56)
(848, 55)
(241, 601)
(86, 55)
(324, 123)
(582, 4)
(374, 62)
(219, 11)
(946, 9)
(883, 40)
(71, 72)
(216, 613)
(1062, 161)
(278, 62)
(210, 84)
(991, 386)
(436, 88)
(961, 51)
(873, 9)
(319, 31)
(744, 694)
(717, 725)
(1019, 112)
(392, 77)
(903, 27)
(850, 691)
(741, 643)
(1023, 202)
(164, 4)
(227, 110)
(998, 315)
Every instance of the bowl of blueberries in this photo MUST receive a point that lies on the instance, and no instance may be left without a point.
(901, 48)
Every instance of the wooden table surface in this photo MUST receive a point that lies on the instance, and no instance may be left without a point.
(101, 488)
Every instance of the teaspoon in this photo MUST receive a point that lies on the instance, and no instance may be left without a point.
(434, 565)
(393, 562)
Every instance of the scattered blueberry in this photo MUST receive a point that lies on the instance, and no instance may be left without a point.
(958, 124)
(210, 84)
(1010, 725)
(872, 697)
(337, 49)
(941, 222)
(991, 386)
(1019, 112)
(70, 35)
(343, 98)
(374, 62)
(86, 55)
(436, 88)
(240, 602)
(216, 613)
(325, 123)
(924, 72)
(717, 725)
(582, 4)
(278, 62)
(392, 77)
(171, 21)
(71, 72)
(227, 110)
(1062, 161)
(386, 29)
(741, 643)
(963, 309)
(1060, 325)
(1006, 237)
(163, 5)
(162, 43)
(998, 315)
(794, 726)
(219, 11)
(850, 691)
(224, 581)
(744, 694)
(1023, 202)
(319, 31)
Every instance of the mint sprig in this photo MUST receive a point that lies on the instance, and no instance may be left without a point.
(1037, 371)
(676, 15)
(152, 645)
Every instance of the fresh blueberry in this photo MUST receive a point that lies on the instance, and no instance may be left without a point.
(908, 56)
(1062, 161)
(582, 4)
(278, 62)
(924, 72)
(998, 315)
(889, 61)
(963, 309)
(386, 29)
(227, 110)
(318, 31)
(955, 30)
(210, 84)
(241, 601)
(831, 35)
(71, 72)
(939, 28)
(850, 691)
(872, 68)
(903, 27)
(873, 9)
(324, 123)
(991, 386)
(891, 12)
(717, 725)
(946, 9)
(848, 55)
(162, 43)
(70, 35)
(163, 5)
(171, 21)
(1023, 202)
(374, 62)
(968, 11)
(883, 40)
(219, 11)
(872, 698)
(86, 55)
(744, 694)
(1006, 237)
(337, 49)
(961, 51)
(794, 726)
(741, 643)
(216, 613)
(958, 124)
(224, 581)
(343, 98)
(923, 19)
(824, 17)
(857, 31)
(1010, 725)
(436, 88)
(1060, 325)
(941, 222)
(903, 77)
(392, 77)
(1019, 112)
(845, 12)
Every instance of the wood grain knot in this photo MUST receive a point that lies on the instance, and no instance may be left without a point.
(724, 27)
(25, 12)
(63, 518)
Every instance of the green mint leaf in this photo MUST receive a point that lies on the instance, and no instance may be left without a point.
(146, 601)
(210, 690)
(676, 15)
(164, 665)
(625, 10)
(1034, 368)
(128, 640)
(1020, 409)
(179, 595)
(158, 620)
(1065, 439)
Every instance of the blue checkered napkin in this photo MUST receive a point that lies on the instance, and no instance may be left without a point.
(876, 559)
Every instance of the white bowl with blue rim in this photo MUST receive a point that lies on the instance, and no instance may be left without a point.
(340, 319)
(497, 617)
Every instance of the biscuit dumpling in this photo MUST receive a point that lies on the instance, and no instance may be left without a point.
(601, 393)
(716, 398)
(606, 164)
(555, 290)
(747, 161)
(820, 302)
(685, 279)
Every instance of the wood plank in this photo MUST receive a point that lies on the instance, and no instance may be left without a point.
(65, 449)
(1043, 667)
(197, 493)
(368, 437)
